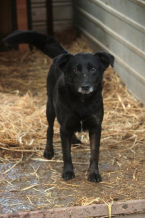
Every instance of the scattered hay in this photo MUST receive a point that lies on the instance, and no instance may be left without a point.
(23, 128)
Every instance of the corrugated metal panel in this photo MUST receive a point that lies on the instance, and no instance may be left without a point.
(117, 27)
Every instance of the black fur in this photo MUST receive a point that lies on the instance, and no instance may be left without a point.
(74, 86)
(47, 44)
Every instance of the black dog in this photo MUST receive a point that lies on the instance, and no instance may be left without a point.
(74, 88)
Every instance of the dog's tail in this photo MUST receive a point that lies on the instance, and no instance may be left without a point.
(47, 44)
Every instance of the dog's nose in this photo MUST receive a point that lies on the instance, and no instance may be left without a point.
(85, 87)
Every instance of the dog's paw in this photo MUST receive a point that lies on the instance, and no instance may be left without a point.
(68, 175)
(94, 177)
(48, 154)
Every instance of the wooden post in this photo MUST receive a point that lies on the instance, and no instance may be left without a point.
(49, 17)
(22, 21)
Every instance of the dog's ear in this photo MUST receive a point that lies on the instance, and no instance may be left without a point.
(106, 59)
(61, 60)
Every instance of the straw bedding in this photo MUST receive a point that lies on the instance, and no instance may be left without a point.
(23, 128)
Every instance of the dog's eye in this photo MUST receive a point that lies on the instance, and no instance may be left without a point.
(75, 70)
(93, 69)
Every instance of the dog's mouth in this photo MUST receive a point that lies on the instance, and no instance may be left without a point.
(85, 91)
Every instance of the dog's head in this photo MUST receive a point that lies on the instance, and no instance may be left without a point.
(84, 71)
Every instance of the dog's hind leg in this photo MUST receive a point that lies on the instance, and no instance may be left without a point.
(75, 140)
(50, 113)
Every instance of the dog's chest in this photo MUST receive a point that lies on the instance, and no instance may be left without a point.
(78, 124)
(83, 111)
(87, 115)
(89, 123)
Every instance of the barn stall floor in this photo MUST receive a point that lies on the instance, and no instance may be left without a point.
(30, 182)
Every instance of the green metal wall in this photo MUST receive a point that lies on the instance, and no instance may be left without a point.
(117, 26)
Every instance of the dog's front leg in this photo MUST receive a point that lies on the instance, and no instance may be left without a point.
(93, 172)
(66, 138)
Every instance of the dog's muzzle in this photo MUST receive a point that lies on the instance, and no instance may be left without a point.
(85, 89)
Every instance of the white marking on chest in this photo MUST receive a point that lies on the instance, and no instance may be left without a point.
(81, 122)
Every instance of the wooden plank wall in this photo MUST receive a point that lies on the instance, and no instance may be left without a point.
(62, 14)
(39, 15)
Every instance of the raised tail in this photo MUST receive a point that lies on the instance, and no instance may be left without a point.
(47, 44)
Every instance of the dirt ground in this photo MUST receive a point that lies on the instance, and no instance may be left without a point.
(30, 182)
